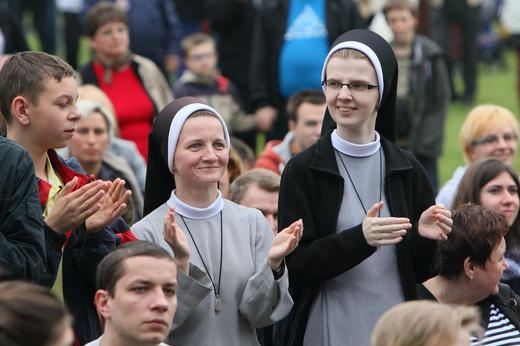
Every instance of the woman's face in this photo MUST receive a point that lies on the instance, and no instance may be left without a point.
(111, 41)
(91, 139)
(201, 155)
(500, 143)
(354, 112)
(67, 335)
(486, 280)
(501, 194)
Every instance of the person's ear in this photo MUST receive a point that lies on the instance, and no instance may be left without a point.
(102, 301)
(468, 150)
(20, 110)
(291, 124)
(469, 269)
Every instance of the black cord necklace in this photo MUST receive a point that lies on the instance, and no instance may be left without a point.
(218, 302)
(354, 186)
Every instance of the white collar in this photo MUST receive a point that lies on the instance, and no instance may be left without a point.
(352, 149)
(196, 213)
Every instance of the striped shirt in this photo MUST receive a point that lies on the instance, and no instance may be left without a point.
(500, 331)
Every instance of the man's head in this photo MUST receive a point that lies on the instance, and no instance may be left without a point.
(200, 54)
(258, 188)
(402, 18)
(137, 293)
(305, 111)
(27, 74)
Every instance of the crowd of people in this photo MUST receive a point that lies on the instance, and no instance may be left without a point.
(140, 206)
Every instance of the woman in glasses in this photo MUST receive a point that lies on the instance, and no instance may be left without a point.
(488, 131)
(367, 206)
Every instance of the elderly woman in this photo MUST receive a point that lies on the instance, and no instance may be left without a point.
(472, 264)
(232, 275)
(495, 185)
(95, 131)
(135, 85)
(488, 131)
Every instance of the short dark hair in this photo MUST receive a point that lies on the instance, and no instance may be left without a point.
(475, 233)
(195, 39)
(112, 268)
(401, 5)
(314, 96)
(264, 178)
(30, 314)
(26, 74)
(102, 13)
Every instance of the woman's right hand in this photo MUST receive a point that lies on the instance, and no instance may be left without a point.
(174, 236)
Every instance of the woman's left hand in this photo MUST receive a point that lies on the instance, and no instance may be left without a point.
(435, 223)
(284, 243)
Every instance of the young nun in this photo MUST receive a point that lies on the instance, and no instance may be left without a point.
(371, 223)
(232, 276)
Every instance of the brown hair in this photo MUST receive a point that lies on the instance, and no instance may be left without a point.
(102, 13)
(401, 5)
(475, 233)
(313, 96)
(26, 74)
(112, 268)
(264, 178)
(30, 315)
(195, 39)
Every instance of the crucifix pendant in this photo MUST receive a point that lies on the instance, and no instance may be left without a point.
(218, 304)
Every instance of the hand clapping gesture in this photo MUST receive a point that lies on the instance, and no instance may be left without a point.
(435, 223)
(112, 204)
(174, 236)
(381, 231)
(284, 243)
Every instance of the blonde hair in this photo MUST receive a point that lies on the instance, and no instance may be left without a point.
(424, 323)
(93, 93)
(481, 119)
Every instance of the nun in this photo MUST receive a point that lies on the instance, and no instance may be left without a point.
(371, 223)
(232, 276)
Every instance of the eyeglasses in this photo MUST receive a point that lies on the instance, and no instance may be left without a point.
(355, 88)
(200, 57)
(494, 139)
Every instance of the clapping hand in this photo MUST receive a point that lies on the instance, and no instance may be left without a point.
(435, 223)
(174, 236)
(284, 243)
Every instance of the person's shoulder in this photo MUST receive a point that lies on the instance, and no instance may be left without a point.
(8, 145)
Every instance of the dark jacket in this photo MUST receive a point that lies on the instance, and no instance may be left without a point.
(22, 245)
(429, 87)
(312, 189)
(81, 254)
(506, 301)
(268, 37)
(13, 33)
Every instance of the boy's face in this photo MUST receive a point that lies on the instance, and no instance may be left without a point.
(53, 121)
(144, 303)
(202, 59)
(402, 23)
